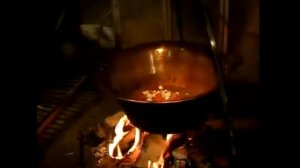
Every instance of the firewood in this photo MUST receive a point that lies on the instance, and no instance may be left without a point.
(113, 120)
(128, 140)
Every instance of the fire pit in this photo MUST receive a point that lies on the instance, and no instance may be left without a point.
(120, 144)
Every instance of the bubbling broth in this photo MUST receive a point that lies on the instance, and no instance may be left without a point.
(160, 93)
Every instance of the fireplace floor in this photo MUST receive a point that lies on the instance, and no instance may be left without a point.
(64, 151)
(212, 149)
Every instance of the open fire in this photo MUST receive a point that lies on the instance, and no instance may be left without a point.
(125, 146)
(123, 129)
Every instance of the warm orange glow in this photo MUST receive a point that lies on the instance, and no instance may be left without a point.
(120, 134)
(161, 161)
(160, 50)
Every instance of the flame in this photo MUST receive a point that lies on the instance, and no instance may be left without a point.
(120, 134)
(136, 140)
(161, 161)
(114, 146)
(154, 164)
(160, 50)
(168, 138)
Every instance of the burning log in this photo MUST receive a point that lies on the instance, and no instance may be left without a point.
(120, 133)
(123, 142)
(128, 139)
(113, 120)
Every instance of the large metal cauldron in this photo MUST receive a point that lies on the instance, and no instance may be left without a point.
(187, 66)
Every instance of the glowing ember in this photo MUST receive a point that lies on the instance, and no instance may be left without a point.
(120, 134)
(161, 161)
